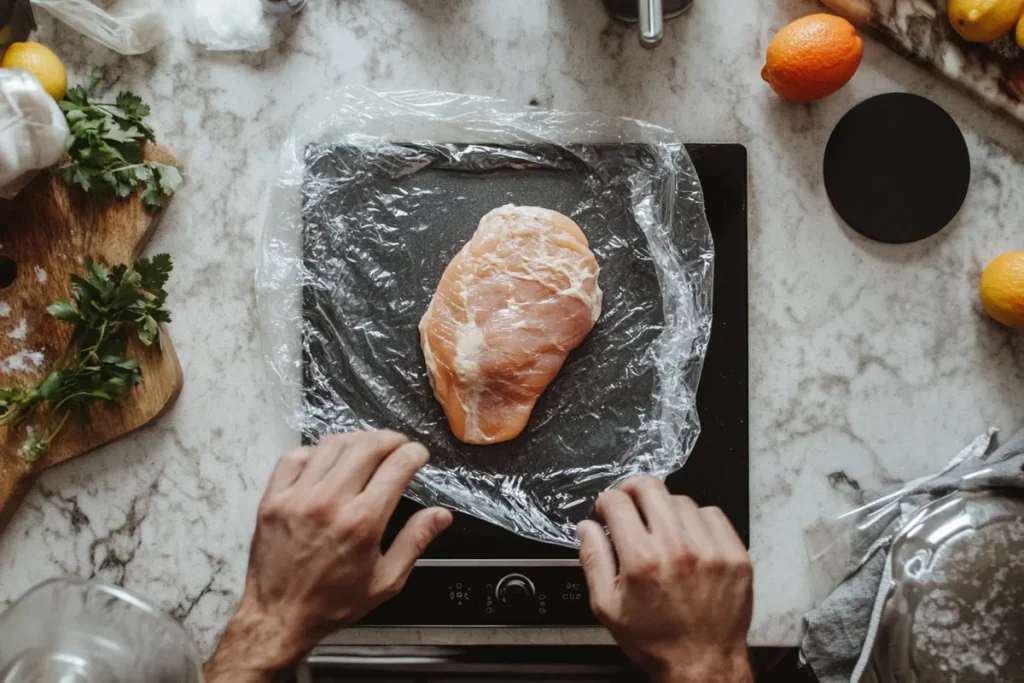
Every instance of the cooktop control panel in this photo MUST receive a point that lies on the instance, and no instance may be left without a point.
(492, 596)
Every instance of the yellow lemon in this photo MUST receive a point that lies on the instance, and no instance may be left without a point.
(982, 21)
(39, 61)
(1002, 288)
(1020, 31)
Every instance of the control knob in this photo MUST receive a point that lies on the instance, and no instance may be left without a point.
(515, 590)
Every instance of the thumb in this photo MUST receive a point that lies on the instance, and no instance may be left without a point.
(422, 528)
(598, 561)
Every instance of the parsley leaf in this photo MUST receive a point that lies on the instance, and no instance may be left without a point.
(106, 306)
(106, 148)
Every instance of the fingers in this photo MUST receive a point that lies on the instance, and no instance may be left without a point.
(598, 561)
(656, 505)
(323, 457)
(389, 482)
(723, 533)
(693, 523)
(619, 513)
(362, 457)
(422, 528)
(288, 469)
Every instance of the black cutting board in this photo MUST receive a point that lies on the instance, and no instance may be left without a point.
(718, 467)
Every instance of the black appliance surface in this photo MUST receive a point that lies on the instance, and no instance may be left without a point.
(479, 574)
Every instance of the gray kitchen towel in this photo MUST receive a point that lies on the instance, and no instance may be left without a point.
(841, 628)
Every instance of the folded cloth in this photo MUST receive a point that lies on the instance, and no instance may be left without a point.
(841, 630)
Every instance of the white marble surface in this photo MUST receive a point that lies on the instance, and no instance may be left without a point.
(869, 364)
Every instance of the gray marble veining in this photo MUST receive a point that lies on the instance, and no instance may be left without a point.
(869, 363)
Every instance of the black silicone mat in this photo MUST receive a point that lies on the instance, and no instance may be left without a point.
(463, 188)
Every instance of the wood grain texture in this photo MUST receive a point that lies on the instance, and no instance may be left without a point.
(48, 230)
(920, 30)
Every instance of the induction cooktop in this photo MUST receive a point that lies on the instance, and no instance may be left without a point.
(477, 574)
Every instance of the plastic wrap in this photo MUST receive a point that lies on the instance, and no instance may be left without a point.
(228, 25)
(375, 193)
(129, 27)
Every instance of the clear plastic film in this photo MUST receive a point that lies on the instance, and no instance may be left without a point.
(376, 193)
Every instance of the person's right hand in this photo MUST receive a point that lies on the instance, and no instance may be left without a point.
(679, 598)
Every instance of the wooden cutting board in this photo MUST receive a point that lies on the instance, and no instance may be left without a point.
(920, 30)
(47, 230)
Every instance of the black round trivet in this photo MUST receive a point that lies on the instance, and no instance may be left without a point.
(897, 168)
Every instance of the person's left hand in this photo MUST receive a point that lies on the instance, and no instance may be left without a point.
(315, 562)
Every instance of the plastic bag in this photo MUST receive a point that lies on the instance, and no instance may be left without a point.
(129, 27)
(838, 547)
(33, 130)
(924, 574)
(228, 25)
(374, 195)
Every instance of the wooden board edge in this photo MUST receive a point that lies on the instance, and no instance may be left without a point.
(167, 349)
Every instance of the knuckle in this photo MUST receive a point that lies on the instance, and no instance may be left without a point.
(357, 525)
(296, 456)
(743, 569)
(411, 456)
(714, 565)
(268, 511)
(319, 510)
(643, 566)
(683, 559)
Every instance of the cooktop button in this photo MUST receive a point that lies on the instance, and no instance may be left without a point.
(515, 590)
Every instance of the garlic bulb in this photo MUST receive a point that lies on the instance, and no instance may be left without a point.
(33, 131)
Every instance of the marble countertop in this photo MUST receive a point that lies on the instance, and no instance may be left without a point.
(869, 364)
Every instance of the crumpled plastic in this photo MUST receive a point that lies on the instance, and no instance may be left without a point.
(228, 25)
(128, 27)
(374, 194)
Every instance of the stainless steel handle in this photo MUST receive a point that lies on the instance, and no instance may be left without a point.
(652, 28)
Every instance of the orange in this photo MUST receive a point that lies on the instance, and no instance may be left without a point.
(1002, 288)
(812, 57)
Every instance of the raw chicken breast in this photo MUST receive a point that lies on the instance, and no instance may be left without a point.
(511, 305)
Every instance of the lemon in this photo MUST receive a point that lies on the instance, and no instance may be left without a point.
(1020, 31)
(39, 61)
(1002, 288)
(982, 21)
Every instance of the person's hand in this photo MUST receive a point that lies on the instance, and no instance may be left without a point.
(679, 599)
(315, 562)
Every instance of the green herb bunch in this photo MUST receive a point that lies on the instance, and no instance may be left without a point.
(106, 147)
(107, 305)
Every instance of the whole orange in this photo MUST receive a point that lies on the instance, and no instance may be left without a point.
(1002, 288)
(812, 57)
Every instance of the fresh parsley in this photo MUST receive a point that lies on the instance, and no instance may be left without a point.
(106, 306)
(106, 147)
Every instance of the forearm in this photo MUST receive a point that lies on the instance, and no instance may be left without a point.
(726, 669)
(251, 651)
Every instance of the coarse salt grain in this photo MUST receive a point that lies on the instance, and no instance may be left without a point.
(20, 332)
(20, 361)
(41, 275)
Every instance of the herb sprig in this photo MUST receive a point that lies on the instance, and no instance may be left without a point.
(105, 307)
(106, 147)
